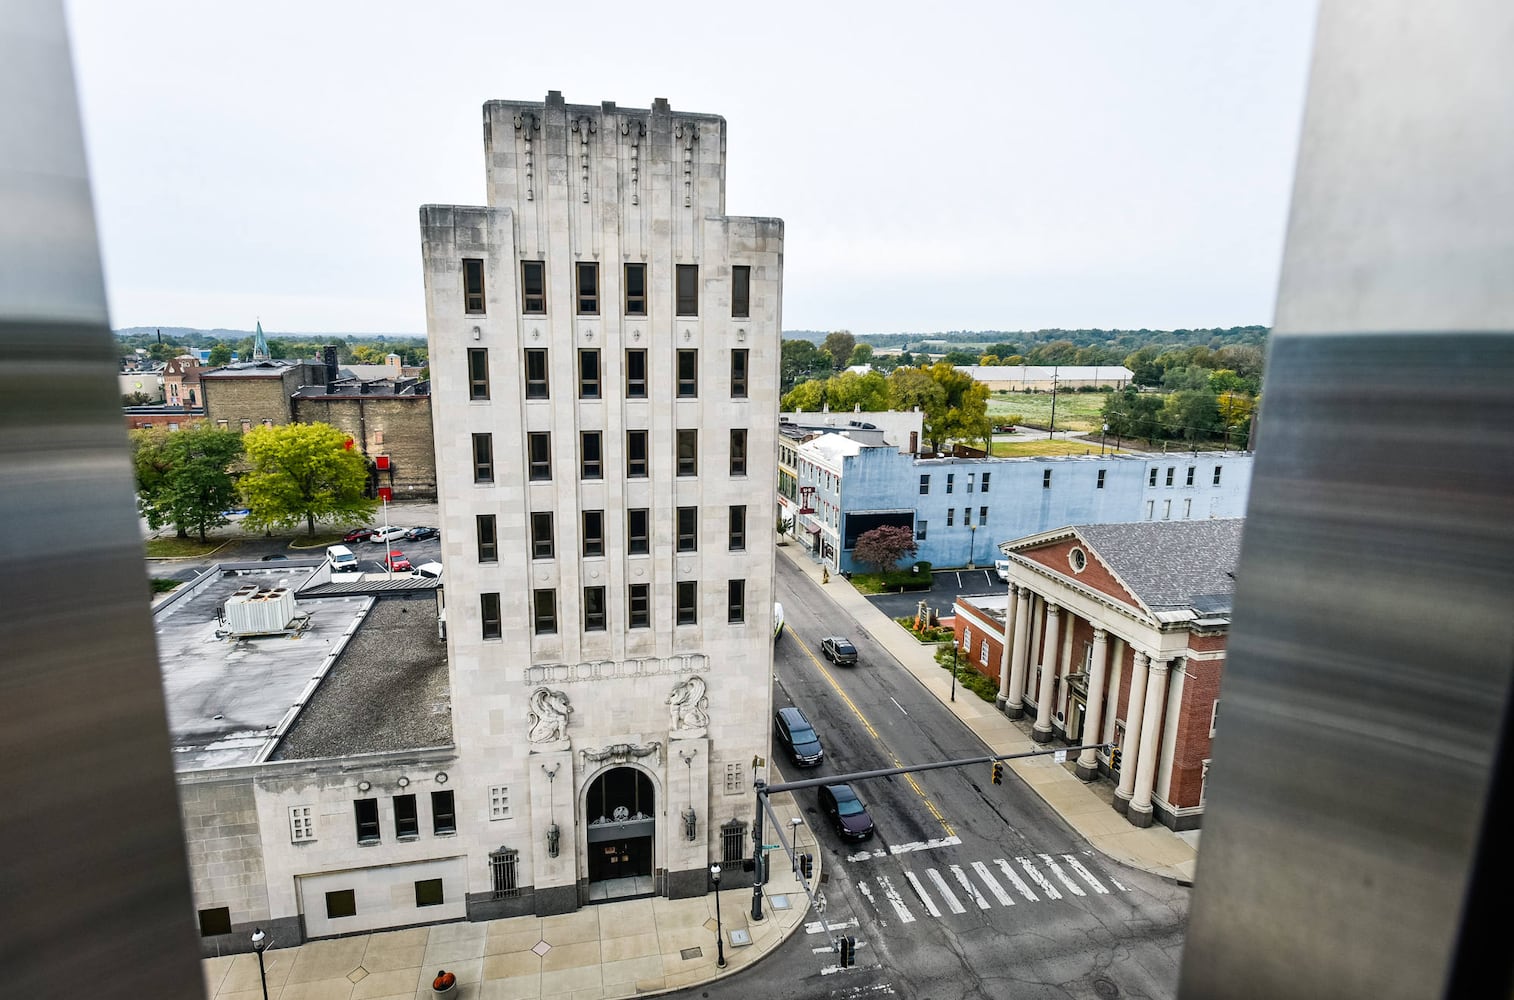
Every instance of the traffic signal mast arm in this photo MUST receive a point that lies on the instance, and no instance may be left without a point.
(839, 779)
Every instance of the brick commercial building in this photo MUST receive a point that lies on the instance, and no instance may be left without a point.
(1116, 634)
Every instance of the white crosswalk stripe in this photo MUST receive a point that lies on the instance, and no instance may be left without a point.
(892, 895)
(993, 884)
(930, 906)
(1084, 874)
(825, 927)
(1062, 876)
(1115, 882)
(945, 891)
(1046, 887)
(1015, 880)
(967, 885)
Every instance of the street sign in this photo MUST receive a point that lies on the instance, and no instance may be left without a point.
(771, 847)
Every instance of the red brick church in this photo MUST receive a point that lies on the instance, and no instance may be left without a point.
(1116, 634)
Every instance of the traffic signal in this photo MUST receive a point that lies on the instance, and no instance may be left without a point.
(998, 773)
(807, 866)
(848, 951)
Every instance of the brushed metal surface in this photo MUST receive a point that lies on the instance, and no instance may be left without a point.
(96, 895)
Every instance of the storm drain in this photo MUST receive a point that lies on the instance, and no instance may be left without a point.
(689, 953)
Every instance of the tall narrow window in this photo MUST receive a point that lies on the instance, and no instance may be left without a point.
(473, 285)
(594, 533)
(925, 485)
(367, 821)
(1217, 475)
(443, 813)
(739, 358)
(636, 454)
(488, 539)
(594, 609)
(1170, 471)
(738, 451)
(640, 605)
(483, 458)
(736, 530)
(972, 478)
(636, 374)
(544, 604)
(488, 607)
(588, 288)
(478, 373)
(984, 485)
(1046, 479)
(407, 820)
(688, 598)
(982, 516)
(1190, 476)
(688, 373)
(591, 459)
(688, 290)
(735, 601)
(1166, 510)
(951, 481)
(688, 453)
(741, 291)
(688, 529)
(588, 374)
(951, 516)
(636, 289)
(1100, 484)
(920, 530)
(1187, 508)
(536, 373)
(1151, 480)
(539, 455)
(638, 542)
(541, 534)
(533, 286)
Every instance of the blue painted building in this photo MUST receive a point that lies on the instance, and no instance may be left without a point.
(960, 509)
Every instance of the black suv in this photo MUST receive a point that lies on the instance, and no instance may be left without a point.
(798, 737)
(846, 812)
(839, 650)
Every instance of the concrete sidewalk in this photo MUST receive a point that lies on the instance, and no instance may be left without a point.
(1087, 808)
(633, 947)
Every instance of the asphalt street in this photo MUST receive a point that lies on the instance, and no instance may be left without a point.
(968, 889)
(946, 587)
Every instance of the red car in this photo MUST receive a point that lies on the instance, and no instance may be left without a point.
(398, 561)
(358, 535)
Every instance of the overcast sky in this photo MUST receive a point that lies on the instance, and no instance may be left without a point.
(1006, 165)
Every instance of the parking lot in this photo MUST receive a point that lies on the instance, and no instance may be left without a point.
(946, 587)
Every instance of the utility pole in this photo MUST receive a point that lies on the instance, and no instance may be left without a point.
(758, 861)
(1052, 431)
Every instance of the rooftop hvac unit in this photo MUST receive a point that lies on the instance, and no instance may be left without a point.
(260, 612)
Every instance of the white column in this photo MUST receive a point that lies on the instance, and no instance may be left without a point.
(1015, 706)
(1151, 734)
(1128, 750)
(1051, 646)
(1033, 654)
(1011, 623)
(1088, 762)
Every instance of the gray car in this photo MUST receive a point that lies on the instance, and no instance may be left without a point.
(839, 650)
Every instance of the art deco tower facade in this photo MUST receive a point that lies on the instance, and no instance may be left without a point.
(604, 364)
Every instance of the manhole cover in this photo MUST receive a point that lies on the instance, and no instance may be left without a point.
(689, 953)
(1105, 988)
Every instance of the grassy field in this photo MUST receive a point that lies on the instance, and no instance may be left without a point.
(1076, 411)
(169, 548)
(1010, 448)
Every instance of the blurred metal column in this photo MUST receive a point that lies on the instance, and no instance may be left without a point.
(1361, 769)
(96, 895)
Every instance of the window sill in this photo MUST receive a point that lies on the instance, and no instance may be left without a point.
(371, 842)
(445, 833)
(408, 838)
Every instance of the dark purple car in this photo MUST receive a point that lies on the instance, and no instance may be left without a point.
(846, 812)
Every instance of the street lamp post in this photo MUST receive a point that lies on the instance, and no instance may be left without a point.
(796, 823)
(954, 668)
(719, 932)
(972, 544)
(260, 942)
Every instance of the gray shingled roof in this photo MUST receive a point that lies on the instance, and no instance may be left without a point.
(1172, 564)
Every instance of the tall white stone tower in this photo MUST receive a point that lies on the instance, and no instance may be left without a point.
(604, 365)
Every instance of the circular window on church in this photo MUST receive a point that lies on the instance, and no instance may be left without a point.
(1079, 559)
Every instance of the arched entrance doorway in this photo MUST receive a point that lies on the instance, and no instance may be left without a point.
(621, 809)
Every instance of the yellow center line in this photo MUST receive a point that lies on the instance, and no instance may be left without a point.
(874, 734)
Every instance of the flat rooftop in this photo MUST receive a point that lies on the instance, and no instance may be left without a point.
(230, 700)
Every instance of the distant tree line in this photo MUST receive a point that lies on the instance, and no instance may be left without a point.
(170, 342)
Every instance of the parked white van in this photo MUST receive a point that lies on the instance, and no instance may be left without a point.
(428, 571)
(342, 559)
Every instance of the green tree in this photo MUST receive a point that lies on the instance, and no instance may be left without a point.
(136, 399)
(184, 478)
(1192, 414)
(849, 391)
(1133, 414)
(905, 358)
(839, 346)
(162, 351)
(1001, 351)
(801, 360)
(220, 354)
(960, 357)
(883, 546)
(1058, 352)
(954, 404)
(1186, 377)
(303, 472)
(862, 354)
(807, 396)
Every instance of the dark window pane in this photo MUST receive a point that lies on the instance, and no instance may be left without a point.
(636, 289)
(341, 903)
(588, 374)
(739, 373)
(473, 286)
(736, 540)
(688, 290)
(215, 921)
(483, 458)
(637, 541)
(741, 291)
(688, 453)
(488, 540)
(545, 603)
(738, 451)
(688, 373)
(478, 373)
(536, 373)
(688, 596)
(594, 609)
(539, 444)
(594, 533)
(688, 529)
(541, 535)
(489, 610)
(366, 811)
(592, 465)
(636, 374)
(641, 605)
(443, 813)
(588, 289)
(636, 454)
(407, 821)
(735, 602)
(533, 286)
(428, 892)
